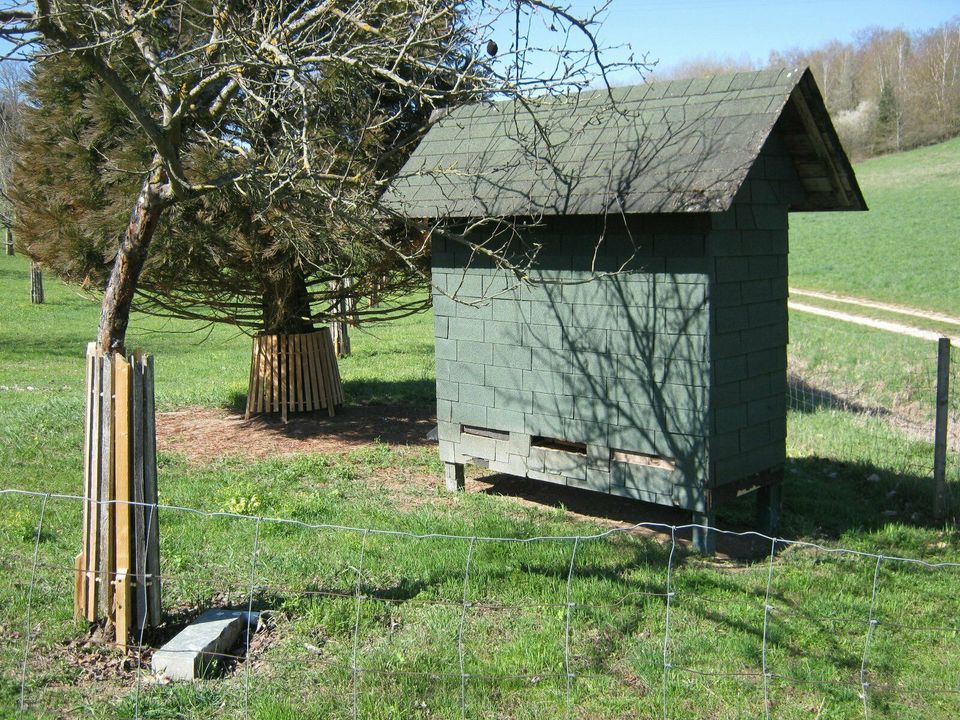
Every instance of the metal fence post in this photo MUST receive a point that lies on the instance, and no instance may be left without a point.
(940, 433)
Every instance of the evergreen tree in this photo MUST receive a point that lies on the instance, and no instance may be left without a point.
(267, 264)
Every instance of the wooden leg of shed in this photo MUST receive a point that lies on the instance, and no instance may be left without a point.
(453, 476)
(704, 541)
(769, 499)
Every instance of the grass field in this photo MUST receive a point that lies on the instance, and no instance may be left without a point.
(906, 249)
(411, 630)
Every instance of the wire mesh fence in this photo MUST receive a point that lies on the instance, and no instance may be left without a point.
(889, 409)
(373, 623)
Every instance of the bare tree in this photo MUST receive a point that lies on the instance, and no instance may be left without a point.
(214, 75)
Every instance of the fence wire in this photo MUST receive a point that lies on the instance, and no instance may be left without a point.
(893, 416)
(548, 626)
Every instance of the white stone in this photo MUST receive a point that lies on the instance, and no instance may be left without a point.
(202, 644)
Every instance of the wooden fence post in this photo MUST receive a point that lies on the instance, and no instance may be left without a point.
(9, 240)
(940, 433)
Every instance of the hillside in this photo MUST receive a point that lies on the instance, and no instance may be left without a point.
(906, 249)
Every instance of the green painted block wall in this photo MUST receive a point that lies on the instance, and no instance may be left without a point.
(681, 354)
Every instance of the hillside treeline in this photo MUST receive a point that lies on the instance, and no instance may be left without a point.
(888, 90)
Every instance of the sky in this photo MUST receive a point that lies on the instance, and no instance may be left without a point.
(676, 31)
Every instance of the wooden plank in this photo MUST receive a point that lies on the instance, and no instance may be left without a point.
(284, 376)
(326, 352)
(319, 367)
(139, 518)
(122, 482)
(251, 383)
(298, 370)
(106, 511)
(150, 495)
(337, 383)
(336, 389)
(296, 377)
(79, 587)
(267, 373)
(313, 382)
(258, 351)
(93, 485)
(275, 362)
(80, 599)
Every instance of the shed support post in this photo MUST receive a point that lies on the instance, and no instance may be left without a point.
(453, 476)
(704, 541)
(769, 500)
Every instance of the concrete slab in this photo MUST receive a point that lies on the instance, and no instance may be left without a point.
(201, 645)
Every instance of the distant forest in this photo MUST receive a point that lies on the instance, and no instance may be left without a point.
(888, 90)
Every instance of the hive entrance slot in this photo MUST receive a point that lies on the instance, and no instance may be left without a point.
(557, 444)
(484, 432)
(637, 458)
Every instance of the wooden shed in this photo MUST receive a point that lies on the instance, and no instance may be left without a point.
(643, 352)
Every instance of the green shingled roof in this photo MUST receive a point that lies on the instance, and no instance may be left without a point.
(680, 146)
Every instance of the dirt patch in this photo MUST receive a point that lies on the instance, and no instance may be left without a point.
(204, 434)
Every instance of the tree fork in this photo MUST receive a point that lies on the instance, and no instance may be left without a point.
(154, 196)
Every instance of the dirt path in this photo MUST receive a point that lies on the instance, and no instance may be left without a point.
(862, 302)
(888, 325)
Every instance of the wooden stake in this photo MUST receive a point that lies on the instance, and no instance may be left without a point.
(139, 560)
(150, 494)
(122, 481)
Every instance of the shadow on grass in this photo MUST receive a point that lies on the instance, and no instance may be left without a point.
(806, 398)
(823, 499)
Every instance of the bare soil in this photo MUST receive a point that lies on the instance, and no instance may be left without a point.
(204, 434)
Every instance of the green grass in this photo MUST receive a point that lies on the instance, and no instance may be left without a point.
(514, 627)
(906, 249)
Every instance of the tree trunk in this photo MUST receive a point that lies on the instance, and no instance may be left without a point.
(286, 303)
(36, 283)
(115, 310)
(9, 241)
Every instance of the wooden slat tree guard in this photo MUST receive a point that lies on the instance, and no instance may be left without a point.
(294, 373)
(118, 568)
(36, 284)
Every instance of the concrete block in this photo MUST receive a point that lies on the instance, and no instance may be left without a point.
(478, 446)
(440, 327)
(547, 477)
(474, 352)
(464, 372)
(503, 333)
(476, 395)
(465, 329)
(512, 356)
(503, 377)
(197, 648)
(520, 443)
(469, 414)
(444, 410)
(544, 336)
(505, 420)
(477, 310)
(513, 399)
(550, 404)
(445, 349)
(447, 390)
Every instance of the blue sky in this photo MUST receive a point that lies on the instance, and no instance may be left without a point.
(678, 31)
(681, 30)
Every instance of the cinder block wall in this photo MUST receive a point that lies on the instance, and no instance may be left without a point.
(665, 378)
(749, 325)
